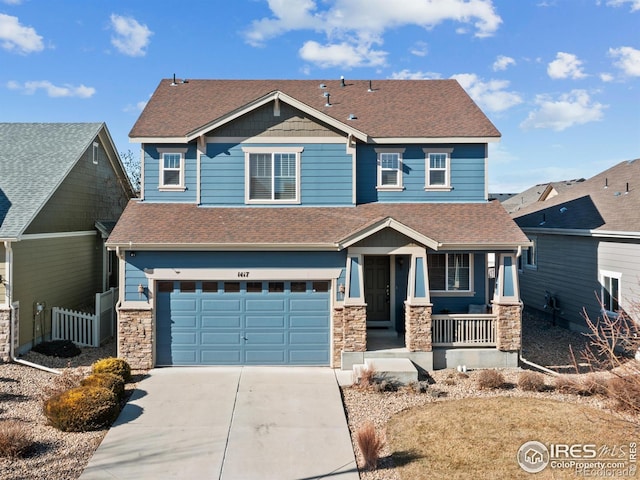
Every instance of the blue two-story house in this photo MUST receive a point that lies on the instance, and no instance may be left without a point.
(288, 222)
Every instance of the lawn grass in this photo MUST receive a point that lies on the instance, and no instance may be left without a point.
(480, 437)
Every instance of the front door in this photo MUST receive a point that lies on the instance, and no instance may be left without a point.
(377, 291)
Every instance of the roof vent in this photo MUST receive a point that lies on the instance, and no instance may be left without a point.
(173, 84)
(544, 219)
(352, 116)
(322, 85)
(342, 84)
(370, 88)
(563, 209)
(606, 183)
(328, 104)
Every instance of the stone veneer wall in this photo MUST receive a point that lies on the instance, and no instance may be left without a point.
(349, 331)
(508, 327)
(135, 338)
(5, 334)
(418, 328)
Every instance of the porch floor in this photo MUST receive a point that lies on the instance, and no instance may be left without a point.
(385, 339)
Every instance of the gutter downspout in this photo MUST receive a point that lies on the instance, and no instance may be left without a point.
(520, 357)
(9, 296)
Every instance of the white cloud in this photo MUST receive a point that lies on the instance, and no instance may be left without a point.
(492, 95)
(55, 91)
(606, 77)
(137, 108)
(361, 24)
(17, 37)
(573, 108)
(342, 54)
(635, 4)
(502, 62)
(131, 38)
(409, 75)
(628, 60)
(420, 49)
(12, 2)
(566, 65)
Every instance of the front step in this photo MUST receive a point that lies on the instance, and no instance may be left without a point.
(400, 371)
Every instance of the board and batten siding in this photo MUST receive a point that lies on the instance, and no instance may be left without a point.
(567, 268)
(135, 266)
(467, 175)
(325, 174)
(61, 272)
(89, 192)
(623, 258)
(3, 273)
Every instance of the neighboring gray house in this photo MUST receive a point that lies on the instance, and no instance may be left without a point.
(586, 248)
(538, 193)
(62, 187)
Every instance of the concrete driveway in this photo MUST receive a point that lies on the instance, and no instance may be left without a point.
(229, 423)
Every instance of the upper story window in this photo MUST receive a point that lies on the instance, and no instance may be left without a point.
(450, 272)
(389, 169)
(171, 175)
(438, 169)
(272, 175)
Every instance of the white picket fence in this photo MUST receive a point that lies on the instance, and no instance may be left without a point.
(86, 329)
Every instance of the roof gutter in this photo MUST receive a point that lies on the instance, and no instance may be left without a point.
(245, 247)
(578, 232)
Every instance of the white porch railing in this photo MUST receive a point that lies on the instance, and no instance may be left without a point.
(463, 330)
(86, 329)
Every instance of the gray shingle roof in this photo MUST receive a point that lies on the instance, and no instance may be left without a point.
(34, 160)
(590, 206)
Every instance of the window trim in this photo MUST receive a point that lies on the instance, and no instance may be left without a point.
(527, 262)
(452, 293)
(270, 150)
(611, 275)
(447, 171)
(399, 186)
(95, 150)
(181, 185)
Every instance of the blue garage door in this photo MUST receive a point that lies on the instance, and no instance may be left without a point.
(242, 323)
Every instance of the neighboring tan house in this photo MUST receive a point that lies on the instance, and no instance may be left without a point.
(288, 222)
(61, 186)
(586, 248)
(538, 193)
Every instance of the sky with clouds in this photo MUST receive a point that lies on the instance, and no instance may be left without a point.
(559, 78)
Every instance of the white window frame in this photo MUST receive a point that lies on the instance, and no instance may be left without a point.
(447, 292)
(607, 274)
(248, 151)
(530, 255)
(398, 187)
(95, 152)
(447, 170)
(161, 169)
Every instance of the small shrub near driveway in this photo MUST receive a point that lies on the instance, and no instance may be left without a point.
(110, 381)
(14, 439)
(82, 409)
(370, 444)
(490, 379)
(531, 381)
(117, 366)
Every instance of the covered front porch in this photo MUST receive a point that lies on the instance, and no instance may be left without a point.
(438, 309)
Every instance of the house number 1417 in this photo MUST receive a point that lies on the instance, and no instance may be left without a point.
(243, 274)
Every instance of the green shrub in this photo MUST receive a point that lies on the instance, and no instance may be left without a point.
(117, 366)
(110, 381)
(14, 439)
(82, 409)
(531, 381)
(490, 379)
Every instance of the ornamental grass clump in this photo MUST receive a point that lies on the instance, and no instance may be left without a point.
(370, 444)
(15, 441)
(531, 381)
(110, 381)
(490, 379)
(117, 366)
(82, 409)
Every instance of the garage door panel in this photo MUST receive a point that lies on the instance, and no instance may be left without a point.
(264, 321)
(309, 321)
(266, 305)
(208, 321)
(243, 326)
(220, 338)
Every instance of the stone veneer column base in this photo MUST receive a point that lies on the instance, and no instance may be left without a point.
(418, 328)
(508, 327)
(5, 334)
(136, 338)
(349, 331)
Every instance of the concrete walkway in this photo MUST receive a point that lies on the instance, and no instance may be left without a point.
(229, 423)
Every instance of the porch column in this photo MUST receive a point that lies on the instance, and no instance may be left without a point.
(136, 338)
(418, 307)
(507, 305)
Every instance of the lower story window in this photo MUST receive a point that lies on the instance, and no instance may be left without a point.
(449, 272)
(610, 292)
